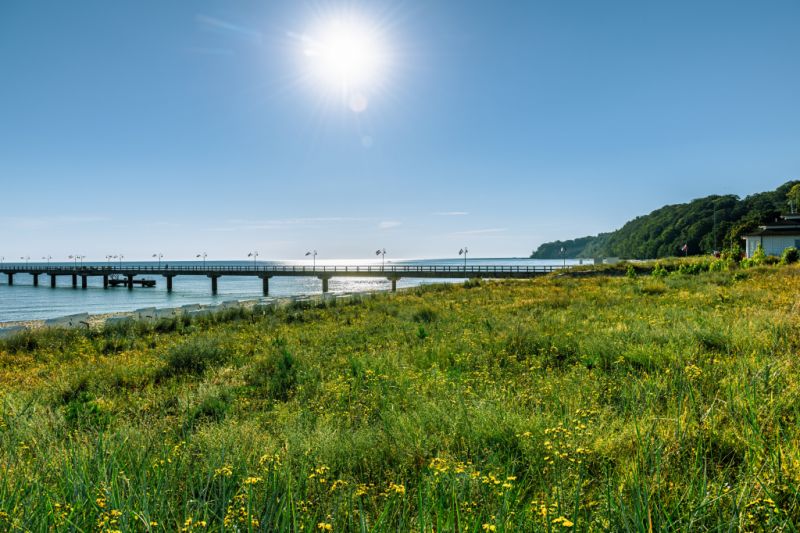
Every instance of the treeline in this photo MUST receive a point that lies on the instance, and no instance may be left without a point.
(663, 232)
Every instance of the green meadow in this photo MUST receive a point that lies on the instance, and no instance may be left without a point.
(567, 403)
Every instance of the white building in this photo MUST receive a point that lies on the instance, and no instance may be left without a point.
(775, 237)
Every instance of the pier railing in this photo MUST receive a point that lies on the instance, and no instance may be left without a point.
(406, 270)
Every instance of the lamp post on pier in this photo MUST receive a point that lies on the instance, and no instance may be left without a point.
(121, 257)
(314, 259)
(48, 258)
(26, 259)
(382, 253)
(159, 256)
(254, 255)
(203, 255)
(464, 251)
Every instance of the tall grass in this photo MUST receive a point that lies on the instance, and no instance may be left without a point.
(618, 404)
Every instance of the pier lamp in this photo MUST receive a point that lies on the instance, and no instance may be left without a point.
(74, 259)
(159, 256)
(203, 255)
(464, 252)
(254, 255)
(382, 253)
(314, 258)
(48, 258)
(121, 257)
(26, 259)
(109, 258)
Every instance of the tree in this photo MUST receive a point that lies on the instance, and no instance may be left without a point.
(794, 197)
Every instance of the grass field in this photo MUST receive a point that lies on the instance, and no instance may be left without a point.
(557, 404)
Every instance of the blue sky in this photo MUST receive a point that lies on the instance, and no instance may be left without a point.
(181, 127)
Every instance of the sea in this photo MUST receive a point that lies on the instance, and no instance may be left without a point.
(22, 301)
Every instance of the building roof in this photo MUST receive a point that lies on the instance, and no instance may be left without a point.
(787, 225)
(775, 231)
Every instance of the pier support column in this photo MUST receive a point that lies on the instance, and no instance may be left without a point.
(394, 284)
(213, 284)
(130, 281)
(105, 281)
(169, 283)
(11, 279)
(84, 282)
(35, 280)
(265, 285)
(324, 283)
(74, 281)
(53, 281)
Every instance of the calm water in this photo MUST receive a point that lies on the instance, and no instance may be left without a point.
(23, 301)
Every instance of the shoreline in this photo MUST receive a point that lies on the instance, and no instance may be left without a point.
(99, 320)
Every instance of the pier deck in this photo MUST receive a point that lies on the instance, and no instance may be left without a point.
(391, 272)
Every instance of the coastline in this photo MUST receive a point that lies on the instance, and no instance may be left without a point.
(99, 320)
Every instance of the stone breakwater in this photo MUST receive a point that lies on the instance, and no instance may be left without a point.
(99, 321)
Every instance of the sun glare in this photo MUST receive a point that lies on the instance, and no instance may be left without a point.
(346, 55)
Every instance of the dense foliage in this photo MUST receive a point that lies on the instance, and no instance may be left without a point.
(663, 232)
(660, 400)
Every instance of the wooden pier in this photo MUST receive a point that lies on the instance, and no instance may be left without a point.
(126, 274)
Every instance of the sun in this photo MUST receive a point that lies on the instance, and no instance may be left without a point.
(348, 55)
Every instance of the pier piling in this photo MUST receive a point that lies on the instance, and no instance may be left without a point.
(169, 283)
(130, 282)
(53, 281)
(105, 281)
(84, 282)
(265, 285)
(213, 284)
(11, 279)
(35, 280)
(74, 281)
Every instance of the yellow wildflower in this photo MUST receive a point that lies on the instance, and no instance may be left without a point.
(566, 522)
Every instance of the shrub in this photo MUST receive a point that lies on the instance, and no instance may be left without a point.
(759, 256)
(630, 272)
(425, 314)
(733, 254)
(659, 271)
(721, 265)
(213, 407)
(194, 357)
(277, 374)
(691, 268)
(790, 255)
(86, 412)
